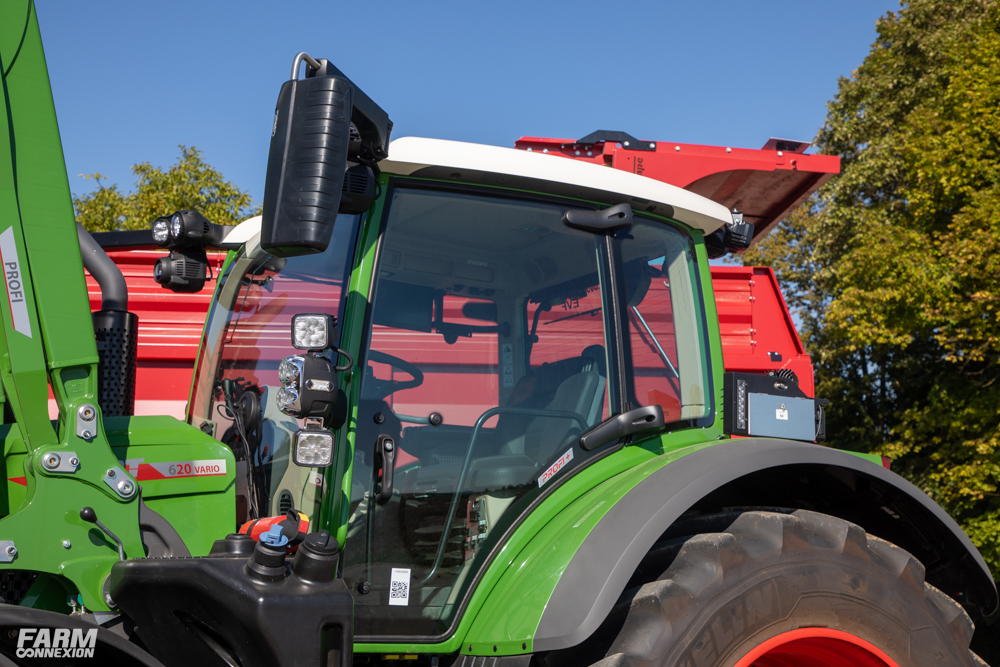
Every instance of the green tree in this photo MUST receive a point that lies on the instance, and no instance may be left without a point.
(190, 183)
(895, 268)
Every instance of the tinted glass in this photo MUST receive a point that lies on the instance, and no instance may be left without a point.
(666, 330)
(248, 334)
(486, 362)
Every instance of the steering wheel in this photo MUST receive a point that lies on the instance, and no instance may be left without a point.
(379, 389)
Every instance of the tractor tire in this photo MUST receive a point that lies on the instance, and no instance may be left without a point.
(777, 589)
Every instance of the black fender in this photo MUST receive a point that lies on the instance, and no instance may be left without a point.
(760, 472)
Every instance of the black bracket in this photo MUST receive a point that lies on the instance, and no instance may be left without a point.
(623, 138)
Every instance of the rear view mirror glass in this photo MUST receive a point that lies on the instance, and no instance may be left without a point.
(480, 310)
(404, 306)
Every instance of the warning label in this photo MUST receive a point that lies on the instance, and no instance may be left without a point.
(507, 364)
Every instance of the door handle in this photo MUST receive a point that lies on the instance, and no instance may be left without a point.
(648, 418)
(384, 462)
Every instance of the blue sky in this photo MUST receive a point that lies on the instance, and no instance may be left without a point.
(132, 80)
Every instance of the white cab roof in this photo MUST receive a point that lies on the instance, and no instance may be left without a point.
(244, 231)
(493, 165)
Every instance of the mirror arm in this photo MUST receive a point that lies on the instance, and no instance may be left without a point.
(648, 418)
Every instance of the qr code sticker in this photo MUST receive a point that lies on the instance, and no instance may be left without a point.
(399, 587)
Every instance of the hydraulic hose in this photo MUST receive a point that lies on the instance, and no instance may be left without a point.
(114, 292)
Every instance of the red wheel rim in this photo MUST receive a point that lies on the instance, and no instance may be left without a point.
(816, 647)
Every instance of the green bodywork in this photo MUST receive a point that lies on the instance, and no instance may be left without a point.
(40, 509)
(47, 349)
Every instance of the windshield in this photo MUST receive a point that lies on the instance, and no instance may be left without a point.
(247, 335)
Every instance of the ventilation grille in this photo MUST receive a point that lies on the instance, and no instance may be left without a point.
(117, 337)
(285, 502)
(14, 585)
(355, 182)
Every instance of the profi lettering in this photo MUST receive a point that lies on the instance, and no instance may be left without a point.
(14, 283)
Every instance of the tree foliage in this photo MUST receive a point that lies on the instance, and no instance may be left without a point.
(895, 268)
(190, 183)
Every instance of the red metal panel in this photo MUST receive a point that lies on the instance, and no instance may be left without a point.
(170, 327)
(758, 332)
(753, 321)
(766, 185)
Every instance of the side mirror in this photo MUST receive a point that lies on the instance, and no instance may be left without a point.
(311, 143)
(306, 164)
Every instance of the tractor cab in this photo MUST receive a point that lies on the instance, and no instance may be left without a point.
(501, 324)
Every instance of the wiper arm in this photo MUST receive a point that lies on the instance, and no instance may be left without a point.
(659, 348)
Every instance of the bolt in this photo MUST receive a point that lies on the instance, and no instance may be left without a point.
(544, 150)
(578, 152)
(388, 445)
(494, 648)
(67, 544)
(364, 587)
(677, 148)
(125, 487)
(529, 149)
(780, 154)
(652, 145)
(729, 150)
(524, 645)
(11, 550)
(74, 462)
(87, 435)
(12, 633)
(111, 473)
(379, 418)
(87, 413)
(51, 461)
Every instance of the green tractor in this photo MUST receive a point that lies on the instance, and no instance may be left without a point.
(454, 405)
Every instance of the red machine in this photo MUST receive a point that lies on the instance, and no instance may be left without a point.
(758, 333)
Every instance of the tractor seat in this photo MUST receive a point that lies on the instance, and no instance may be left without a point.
(569, 385)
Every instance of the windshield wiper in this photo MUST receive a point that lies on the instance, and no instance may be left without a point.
(659, 348)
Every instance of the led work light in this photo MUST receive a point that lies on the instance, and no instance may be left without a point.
(313, 448)
(311, 331)
(187, 228)
(161, 231)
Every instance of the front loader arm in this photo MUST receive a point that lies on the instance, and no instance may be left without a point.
(48, 339)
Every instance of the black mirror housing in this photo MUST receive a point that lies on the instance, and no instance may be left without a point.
(306, 164)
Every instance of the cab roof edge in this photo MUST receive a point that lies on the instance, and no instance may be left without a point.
(470, 162)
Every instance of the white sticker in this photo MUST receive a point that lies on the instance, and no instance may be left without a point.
(15, 283)
(560, 463)
(781, 414)
(399, 587)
